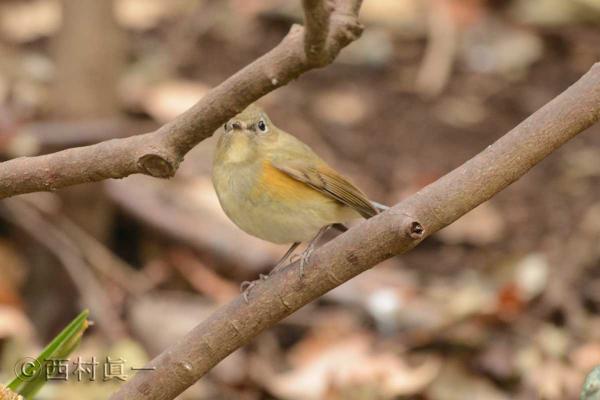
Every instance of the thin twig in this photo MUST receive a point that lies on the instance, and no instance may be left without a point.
(105, 261)
(95, 253)
(93, 294)
(202, 278)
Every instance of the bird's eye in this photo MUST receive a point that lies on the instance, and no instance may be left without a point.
(262, 126)
(225, 127)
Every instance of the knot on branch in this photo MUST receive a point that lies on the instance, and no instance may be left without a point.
(157, 166)
(415, 230)
(346, 28)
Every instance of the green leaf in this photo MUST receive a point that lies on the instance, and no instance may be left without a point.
(591, 386)
(30, 381)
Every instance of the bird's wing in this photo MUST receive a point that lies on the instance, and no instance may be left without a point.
(330, 183)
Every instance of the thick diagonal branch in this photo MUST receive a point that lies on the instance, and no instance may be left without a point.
(159, 153)
(393, 232)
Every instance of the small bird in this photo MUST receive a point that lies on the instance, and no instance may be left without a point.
(274, 187)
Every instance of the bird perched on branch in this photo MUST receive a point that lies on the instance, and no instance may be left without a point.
(276, 188)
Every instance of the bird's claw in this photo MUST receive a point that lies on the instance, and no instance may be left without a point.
(305, 258)
(247, 286)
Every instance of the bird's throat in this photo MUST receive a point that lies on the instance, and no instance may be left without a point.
(238, 149)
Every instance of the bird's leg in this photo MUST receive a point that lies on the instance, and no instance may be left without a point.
(340, 227)
(281, 262)
(247, 286)
(307, 253)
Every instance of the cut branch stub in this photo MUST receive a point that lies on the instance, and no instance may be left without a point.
(416, 230)
(348, 29)
(156, 165)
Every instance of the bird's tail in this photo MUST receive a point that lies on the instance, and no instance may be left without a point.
(379, 207)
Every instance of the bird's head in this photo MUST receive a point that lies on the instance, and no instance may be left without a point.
(246, 134)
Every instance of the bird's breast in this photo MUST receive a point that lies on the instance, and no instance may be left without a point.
(267, 203)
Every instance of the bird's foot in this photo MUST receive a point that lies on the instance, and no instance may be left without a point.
(305, 257)
(307, 253)
(247, 286)
(279, 266)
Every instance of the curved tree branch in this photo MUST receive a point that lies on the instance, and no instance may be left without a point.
(159, 153)
(383, 236)
(329, 23)
(316, 21)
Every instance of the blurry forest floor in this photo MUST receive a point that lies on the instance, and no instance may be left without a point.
(503, 304)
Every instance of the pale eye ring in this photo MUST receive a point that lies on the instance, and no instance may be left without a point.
(262, 126)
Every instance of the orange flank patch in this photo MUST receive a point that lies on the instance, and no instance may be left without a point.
(281, 186)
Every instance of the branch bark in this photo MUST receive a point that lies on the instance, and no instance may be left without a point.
(394, 232)
(330, 25)
(316, 21)
(159, 153)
